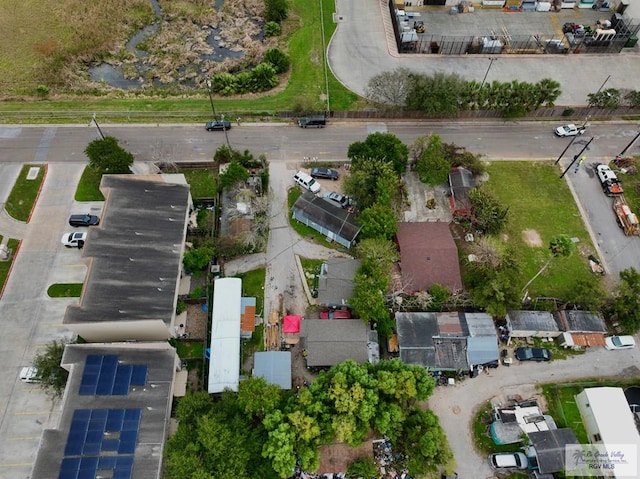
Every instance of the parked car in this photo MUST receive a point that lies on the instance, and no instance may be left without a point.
(306, 182)
(619, 342)
(307, 121)
(218, 125)
(325, 173)
(74, 240)
(83, 220)
(508, 460)
(533, 354)
(29, 375)
(337, 199)
(335, 314)
(569, 130)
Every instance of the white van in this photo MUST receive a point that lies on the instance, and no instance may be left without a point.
(306, 182)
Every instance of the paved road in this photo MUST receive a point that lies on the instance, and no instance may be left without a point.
(362, 47)
(456, 405)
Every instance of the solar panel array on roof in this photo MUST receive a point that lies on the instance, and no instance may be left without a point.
(104, 376)
(101, 440)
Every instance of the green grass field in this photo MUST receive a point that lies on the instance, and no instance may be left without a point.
(89, 186)
(540, 201)
(65, 290)
(5, 266)
(23, 195)
(202, 183)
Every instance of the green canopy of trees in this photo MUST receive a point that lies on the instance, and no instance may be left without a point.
(106, 156)
(52, 376)
(432, 167)
(380, 146)
(232, 436)
(626, 304)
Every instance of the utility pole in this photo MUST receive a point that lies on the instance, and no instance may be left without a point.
(575, 158)
(629, 145)
(491, 60)
(224, 128)
(97, 126)
(213, 108)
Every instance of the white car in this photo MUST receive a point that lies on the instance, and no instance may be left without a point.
(508, 460)
(619, 342)
(74, 240)
(569, 130)
(29, 375)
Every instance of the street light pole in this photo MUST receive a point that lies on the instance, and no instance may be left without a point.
(97, 126)
(213, 108)
(224, 128)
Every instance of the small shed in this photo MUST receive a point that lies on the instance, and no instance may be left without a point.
(335, 284)
(274, 367)
(337, 224)
(461, 181)
(524, 324)
(479, 324)
(247, 317)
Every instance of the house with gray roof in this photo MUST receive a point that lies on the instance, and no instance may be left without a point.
(335, 282)
(336, 223)
(524, 324)
(331, 342)
(574, 321)
(135, 261)
(550, 448)
(115, 413)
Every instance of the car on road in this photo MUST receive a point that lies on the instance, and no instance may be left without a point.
(619, 342)
(533, 354)
(83, 220)
(29, 374)
(569, 130)
(325, 173)
(508, 460)
(336, 199)
(308, 121)
(218, 125)
(74, 240)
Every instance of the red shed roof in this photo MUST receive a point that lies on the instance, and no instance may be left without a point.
(428, 255)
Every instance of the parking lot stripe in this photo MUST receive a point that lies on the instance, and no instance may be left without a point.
(24, 438)
(30, 413)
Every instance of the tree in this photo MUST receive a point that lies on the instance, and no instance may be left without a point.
(626, 303)
(560, 245)
(196, 260)
(488, 252)
(234, 174)
(587, 293)
(52, 376)
(389, 89)
(363, 468)
(547, 92)
(432, 168)
(275, 10)
(378, 221)
(380, 251)
(488, 214)
(107, 157)
(380, 146)
(257, 398)
(369, 178)
(272, 29)
(609, 99)
(437, 95)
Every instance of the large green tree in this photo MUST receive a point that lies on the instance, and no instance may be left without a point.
(488, 214)
(437, 95)
(371, 179)
(106, 156)
(380, 146)
(432, 167)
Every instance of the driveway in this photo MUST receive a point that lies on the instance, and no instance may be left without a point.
(456, 405)
(363, 47)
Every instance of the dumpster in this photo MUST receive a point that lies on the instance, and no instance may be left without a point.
(633, 40)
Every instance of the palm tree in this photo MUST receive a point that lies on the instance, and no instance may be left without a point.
(548, 92)
(560, 245)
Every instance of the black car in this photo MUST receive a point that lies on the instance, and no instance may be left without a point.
(83, 220)
(325, 173)
(218, 125)
(533, 354)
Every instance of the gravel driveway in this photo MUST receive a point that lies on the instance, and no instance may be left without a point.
(456, 405)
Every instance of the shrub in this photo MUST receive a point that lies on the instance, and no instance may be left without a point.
(181, 307)
(275, 10)
(263, 77)
(278, 59)
(196, 260)
(568, 112)
(272, 29)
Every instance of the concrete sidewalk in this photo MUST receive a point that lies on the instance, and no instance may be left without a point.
(363, 47)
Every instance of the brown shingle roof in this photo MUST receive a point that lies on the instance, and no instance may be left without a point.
(428, 255)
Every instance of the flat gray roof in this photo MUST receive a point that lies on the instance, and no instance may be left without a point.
(153, 400)
(136, 251)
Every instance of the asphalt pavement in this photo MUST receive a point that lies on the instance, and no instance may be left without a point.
(363, 46)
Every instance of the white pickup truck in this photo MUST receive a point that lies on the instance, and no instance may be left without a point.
(611, 185)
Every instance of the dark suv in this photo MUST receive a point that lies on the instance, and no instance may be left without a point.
(84, 220)
(325, 173)
(218, 125)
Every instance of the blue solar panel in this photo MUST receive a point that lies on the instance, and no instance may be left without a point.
(139, 375)
(115, 419)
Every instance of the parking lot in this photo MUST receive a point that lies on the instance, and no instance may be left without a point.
(30, 319)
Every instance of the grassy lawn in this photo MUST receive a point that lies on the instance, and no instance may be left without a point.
(253, 286)
(304, 88)
(311, 267)
(65, 290)
(89, 186)
(253, 345)
(540, 201)
(23, 196)
(563, 408)
(631, 185)
(202, 183)
(188, 349)
(482, 437)
(5, 266)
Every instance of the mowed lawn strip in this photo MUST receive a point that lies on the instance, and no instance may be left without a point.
(201, 182)
(65, 290)
(89, 186)
(5, 266)
(24, 193)
(539, 200)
